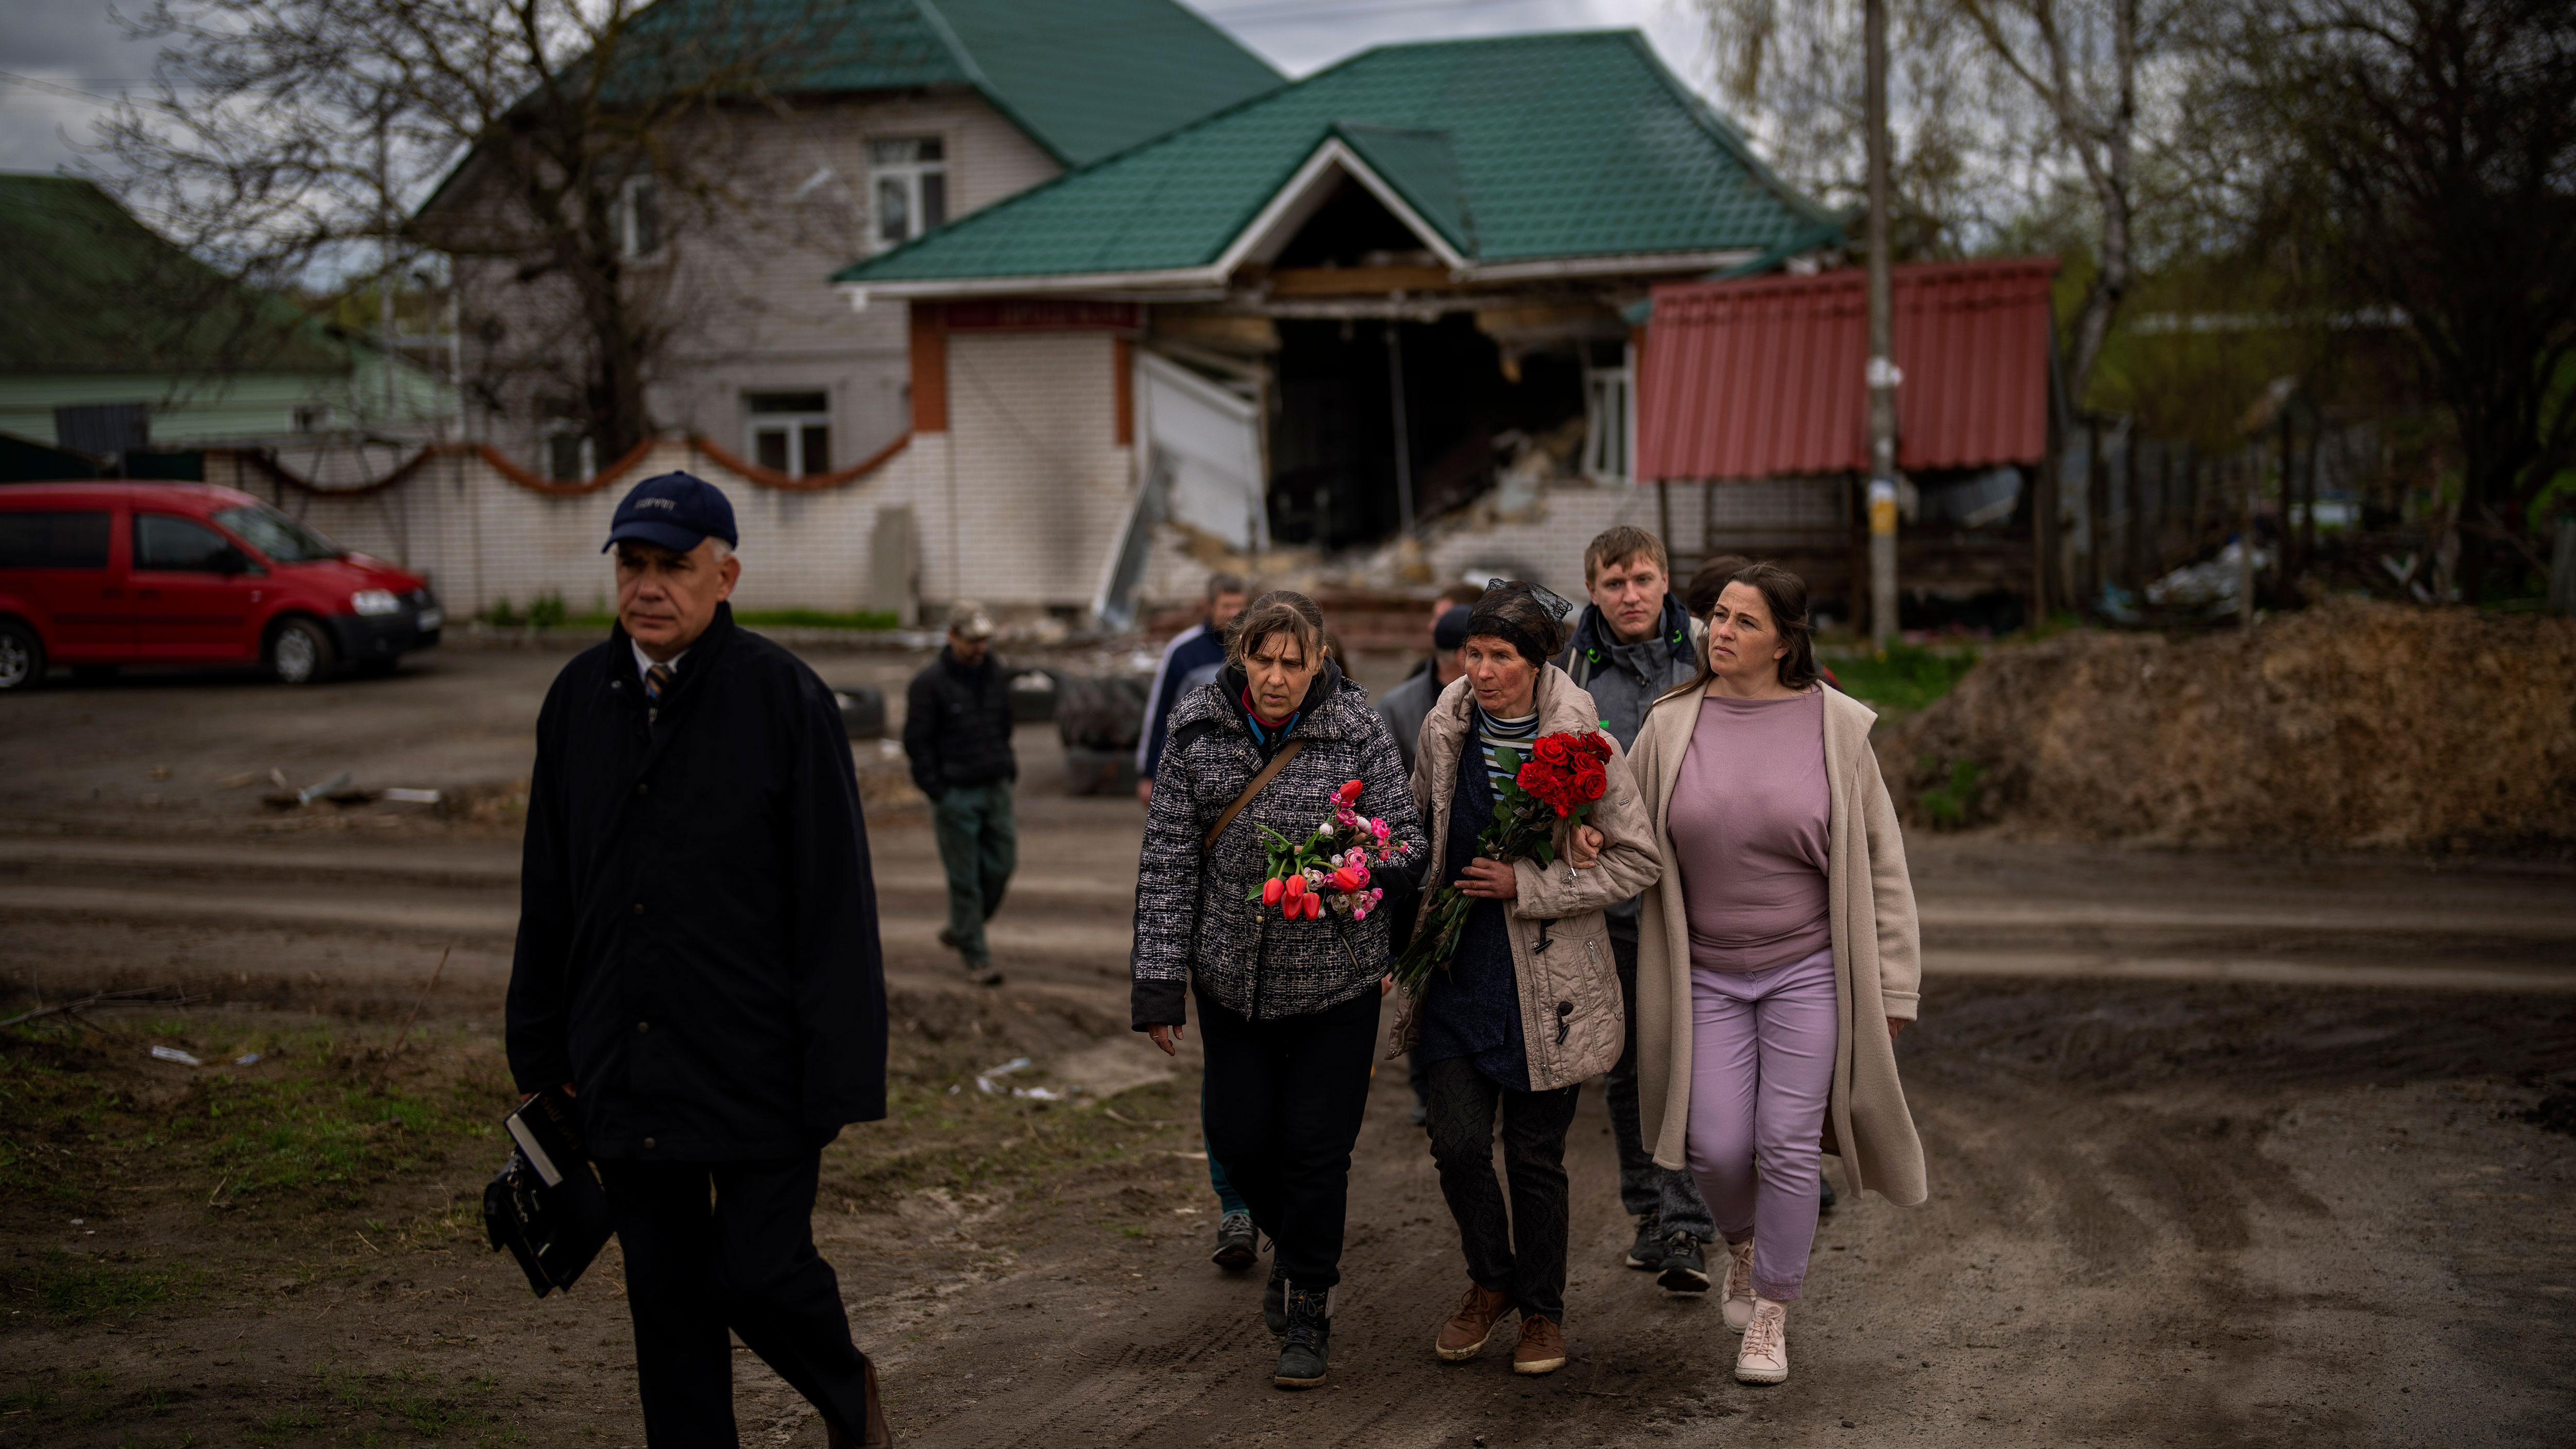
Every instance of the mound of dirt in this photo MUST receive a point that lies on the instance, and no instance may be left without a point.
(2353, 725)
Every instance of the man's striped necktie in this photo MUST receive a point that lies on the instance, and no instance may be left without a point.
(658, 681)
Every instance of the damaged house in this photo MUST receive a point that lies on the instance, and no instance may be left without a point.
(1321, 317)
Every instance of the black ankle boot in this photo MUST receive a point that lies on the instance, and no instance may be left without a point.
(1304, 1357)
(1274, 1301)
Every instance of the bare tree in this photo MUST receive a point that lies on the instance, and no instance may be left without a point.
(546, 138)
(2420, 155)
(1998, 106)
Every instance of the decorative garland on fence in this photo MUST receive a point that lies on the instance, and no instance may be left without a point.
(266, 462)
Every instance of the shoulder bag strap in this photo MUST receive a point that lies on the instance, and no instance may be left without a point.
(1268, 773)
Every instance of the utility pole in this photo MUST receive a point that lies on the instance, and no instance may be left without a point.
(1883, 376)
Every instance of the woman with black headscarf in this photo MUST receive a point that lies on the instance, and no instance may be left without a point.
(1529, 1006)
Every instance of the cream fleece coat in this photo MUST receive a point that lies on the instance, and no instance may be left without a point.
(1878, 957)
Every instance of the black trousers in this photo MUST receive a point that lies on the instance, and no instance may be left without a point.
(1667, 1192)
(745, 1263)
(1284, 1102)
(1523, 1254)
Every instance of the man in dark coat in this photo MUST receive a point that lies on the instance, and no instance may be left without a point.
(698, 964)
(957, 733)
(1192, 658)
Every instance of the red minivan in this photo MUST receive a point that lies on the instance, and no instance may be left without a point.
(94, 575)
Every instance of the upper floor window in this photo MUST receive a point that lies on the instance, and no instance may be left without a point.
(791, 432)
(638, 218)
(911, 184)
(568, 456)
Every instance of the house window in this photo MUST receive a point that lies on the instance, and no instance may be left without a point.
(1609, 421)
(911, 184)
(791, 432)
(638, 218)
(312, 417)
(568, 457)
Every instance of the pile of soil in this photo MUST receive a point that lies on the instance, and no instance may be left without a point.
(2354, 725)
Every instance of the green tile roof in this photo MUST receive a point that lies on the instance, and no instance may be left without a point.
(88, 289)
(1085, 78)
(1523, 148)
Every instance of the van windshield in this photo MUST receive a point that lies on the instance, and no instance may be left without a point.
(273, 533)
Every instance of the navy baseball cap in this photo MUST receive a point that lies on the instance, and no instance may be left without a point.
(679, 511)
(1451, 631)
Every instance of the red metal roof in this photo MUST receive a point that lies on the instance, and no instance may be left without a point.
(1763, 378)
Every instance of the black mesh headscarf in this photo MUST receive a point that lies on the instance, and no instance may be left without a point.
(1529, 618)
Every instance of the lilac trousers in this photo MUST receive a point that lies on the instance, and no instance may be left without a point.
(1762, 1068)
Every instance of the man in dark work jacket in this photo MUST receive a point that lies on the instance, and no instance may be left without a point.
(698, 962)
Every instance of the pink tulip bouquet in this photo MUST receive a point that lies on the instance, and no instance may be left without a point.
(1329, 870)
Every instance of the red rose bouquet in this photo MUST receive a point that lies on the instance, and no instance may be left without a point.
(1564, 775)
(1329, 870)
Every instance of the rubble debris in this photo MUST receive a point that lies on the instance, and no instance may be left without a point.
(412, 797)
(235, 782)
(173, 1054)
(332, 786)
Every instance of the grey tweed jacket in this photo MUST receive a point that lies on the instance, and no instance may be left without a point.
(1194, 919)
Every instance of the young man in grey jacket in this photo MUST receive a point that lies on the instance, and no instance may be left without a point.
(1632, 644)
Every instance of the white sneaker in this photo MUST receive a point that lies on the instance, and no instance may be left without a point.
(1739, 1284)
(1764, 1358)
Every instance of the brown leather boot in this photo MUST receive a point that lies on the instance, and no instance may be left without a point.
(1542, 1347)
(1465, 1334)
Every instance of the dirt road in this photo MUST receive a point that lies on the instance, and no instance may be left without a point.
(2222, 1150)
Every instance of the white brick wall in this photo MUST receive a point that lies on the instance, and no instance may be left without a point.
(1026, 516)
(1041, 486)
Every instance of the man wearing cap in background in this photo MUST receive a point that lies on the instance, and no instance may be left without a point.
(698, 965)
(957, 732)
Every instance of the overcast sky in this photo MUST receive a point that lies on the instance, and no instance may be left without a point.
(60, 59)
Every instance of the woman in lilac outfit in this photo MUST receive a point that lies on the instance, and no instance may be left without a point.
(1777, 955)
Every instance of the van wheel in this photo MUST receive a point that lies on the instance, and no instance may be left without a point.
(22, 656)
(299, 652)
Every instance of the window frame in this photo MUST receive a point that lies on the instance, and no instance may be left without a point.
(624, 213)
(794, 424)
(909, 174)
(134, 542)
(587, 456)
(1609, 458)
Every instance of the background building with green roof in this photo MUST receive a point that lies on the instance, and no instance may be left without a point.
(98, 311)
(1340, 308)
(876, 121)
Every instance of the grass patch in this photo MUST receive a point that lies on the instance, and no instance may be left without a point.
(77, 1295)
(1952, 803)
(321, 1118)
(814, 619)
(1908, 679)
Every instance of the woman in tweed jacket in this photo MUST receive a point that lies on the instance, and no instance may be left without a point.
(1288, 1009)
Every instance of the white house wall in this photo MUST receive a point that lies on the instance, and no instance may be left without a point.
(1042, 486)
